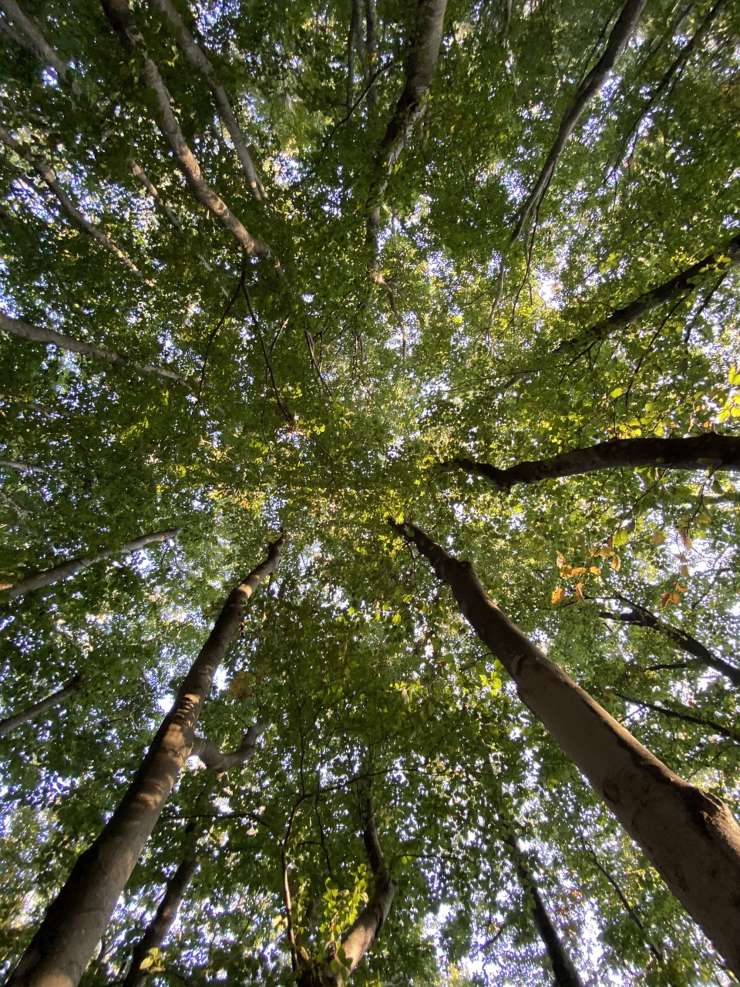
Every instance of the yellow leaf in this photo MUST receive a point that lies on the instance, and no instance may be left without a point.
(560, 560)
(558, 595)
(658, 538)
(615, 562)
(579, 592)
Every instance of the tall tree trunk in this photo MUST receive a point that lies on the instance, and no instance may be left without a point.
(708, 451)
(11, 723)
(366, 928)
(690, 836)
(198, 59)
(672, 290)
(26, 331)
(119, 16)
(70, 568)
(76, 919)
(31, 36)
(48, 176)
(641, 617)
(421, 63)
(563, 970)
(620, 35)
(216, 761)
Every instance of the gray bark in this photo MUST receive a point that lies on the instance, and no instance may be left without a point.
(48, 176)
(78, 916)
(70, 568)
(198, 59)
(35, 710)
(49, 336)
(119, 15)
(690, 836)
(421, 63)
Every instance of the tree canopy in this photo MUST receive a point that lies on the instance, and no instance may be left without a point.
(281, 282)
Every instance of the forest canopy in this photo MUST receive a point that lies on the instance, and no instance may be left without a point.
(369, 453)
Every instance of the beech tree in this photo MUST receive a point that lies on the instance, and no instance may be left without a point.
(412, 283)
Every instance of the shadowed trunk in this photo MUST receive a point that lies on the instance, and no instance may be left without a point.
(689, 835)
(26, 331)
(176, 887)
(11, 723)
(620, 35)
(366, 928)
(201, 63)
(119, 16)
(48, 176)
(421, 63)
(68, 569)
(31, 37)
(707, 451)
(674, 289)
(640, 617)
(78, 916)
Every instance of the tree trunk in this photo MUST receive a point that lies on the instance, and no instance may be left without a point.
(707, 451)
(68, 569)
(36, 335)
(164, 917)
(11, 723)
(366, 928)
(421, 63)
(672, 290)
(689, 835)
(201, 63)
(641, 617)
(35, 39)
(563, 970)
(119, 15)
(76, 919)
(620, 35)
(46, 173)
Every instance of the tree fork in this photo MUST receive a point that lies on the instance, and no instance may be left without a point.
(76, 919)
(690, 836)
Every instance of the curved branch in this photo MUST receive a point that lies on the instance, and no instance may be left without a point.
(708, 451)
(218, 760)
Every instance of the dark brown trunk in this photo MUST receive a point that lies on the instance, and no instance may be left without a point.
(32, 712)
(620, 35)
(76, 919)
(160, 925)
(690, 836)
(640, 617)
(674, 289)
(698, 452)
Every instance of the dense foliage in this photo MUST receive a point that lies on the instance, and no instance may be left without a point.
(386, 324)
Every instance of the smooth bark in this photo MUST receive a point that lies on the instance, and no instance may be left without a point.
(421, 63)
(620, 35)
(48, 176)
(669, 291)
(707, 451)
(119, 16)
(198, 59)
(66, 570)
(690, 836)
(156, 932)
(35, 710)
(78, 916)
(564, 971)
(31, 36)
(37, 335)
(176, 887)
(641, 617)
(366, 928)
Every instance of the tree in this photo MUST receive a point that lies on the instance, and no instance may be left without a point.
(306, 267)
